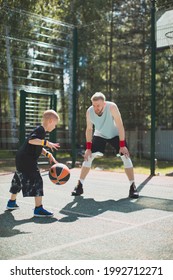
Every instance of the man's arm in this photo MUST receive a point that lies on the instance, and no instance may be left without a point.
(88, 133)
(89, 128)
(119, 123)
(118, 120)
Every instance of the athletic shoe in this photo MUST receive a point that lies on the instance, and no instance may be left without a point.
(133, 193)
(78, 190)
(41, 212)
(11, 205)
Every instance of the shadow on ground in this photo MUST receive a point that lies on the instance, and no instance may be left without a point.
(8, 223)
(88, 207)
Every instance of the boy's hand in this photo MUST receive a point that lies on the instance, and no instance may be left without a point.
(52, 159)
(53, 145)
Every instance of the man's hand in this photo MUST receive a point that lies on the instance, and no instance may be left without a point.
(124, 151)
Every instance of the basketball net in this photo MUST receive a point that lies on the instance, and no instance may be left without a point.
(169, 38)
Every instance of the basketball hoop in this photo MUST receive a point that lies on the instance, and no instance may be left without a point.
(169, 38)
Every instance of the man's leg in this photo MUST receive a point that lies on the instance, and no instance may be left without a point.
(84, 172)
(98, 148)
(130, 173)
(128, 167)
(86, 166)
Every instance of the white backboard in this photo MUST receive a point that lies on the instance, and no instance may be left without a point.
(164, 24)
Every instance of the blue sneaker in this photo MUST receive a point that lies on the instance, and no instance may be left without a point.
(11, 205)
(41, 212)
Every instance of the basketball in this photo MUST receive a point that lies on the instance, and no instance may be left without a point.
(59, 173)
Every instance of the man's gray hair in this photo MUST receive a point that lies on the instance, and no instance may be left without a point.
(97, 96)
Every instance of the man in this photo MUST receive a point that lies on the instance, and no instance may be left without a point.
(107, 121)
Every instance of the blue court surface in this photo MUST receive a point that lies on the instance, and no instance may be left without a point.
(102, 224)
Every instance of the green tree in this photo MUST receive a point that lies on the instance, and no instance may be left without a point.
(163, 4)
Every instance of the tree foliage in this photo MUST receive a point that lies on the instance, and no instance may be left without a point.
(163, 4)
(114, 56)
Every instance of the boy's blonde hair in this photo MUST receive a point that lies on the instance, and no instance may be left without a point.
(50, 114)
(98, 96)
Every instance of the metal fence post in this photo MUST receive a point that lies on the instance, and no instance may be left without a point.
(74, 96)
(153, 87)
(22, 116)
(53, 135)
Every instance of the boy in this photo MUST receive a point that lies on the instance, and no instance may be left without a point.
(27, 176)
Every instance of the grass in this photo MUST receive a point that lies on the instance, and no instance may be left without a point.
(141, 166)
(107, 163)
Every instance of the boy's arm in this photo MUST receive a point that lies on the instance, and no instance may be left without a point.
(43, 143)
(48, 155)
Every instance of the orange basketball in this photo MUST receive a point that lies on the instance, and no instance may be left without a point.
(59, 173)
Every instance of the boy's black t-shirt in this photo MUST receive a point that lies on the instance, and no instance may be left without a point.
(27, 155)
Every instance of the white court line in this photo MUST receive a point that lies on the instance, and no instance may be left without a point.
(98, 217)
(89, 239)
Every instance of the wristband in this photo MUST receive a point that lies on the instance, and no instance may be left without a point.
(88, 145)
(122, 143)
(48, 155)
(44, 142)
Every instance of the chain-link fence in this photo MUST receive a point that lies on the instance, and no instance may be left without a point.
(36, 55)
(114, 57)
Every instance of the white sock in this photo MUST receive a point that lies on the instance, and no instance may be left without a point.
(81, 180)
(131, 182)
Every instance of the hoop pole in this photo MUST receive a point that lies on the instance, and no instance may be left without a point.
(153, 88)
(75, 45)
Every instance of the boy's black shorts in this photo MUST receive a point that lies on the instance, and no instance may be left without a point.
(99, 144)
(31, 184)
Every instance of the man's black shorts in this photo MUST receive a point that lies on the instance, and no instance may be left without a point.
(99, 144)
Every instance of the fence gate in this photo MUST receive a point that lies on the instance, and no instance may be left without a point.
(32, 106)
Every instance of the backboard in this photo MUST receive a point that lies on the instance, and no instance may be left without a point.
(164, 24)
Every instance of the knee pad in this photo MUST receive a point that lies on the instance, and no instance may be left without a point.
(88, 163)
(127, 162)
